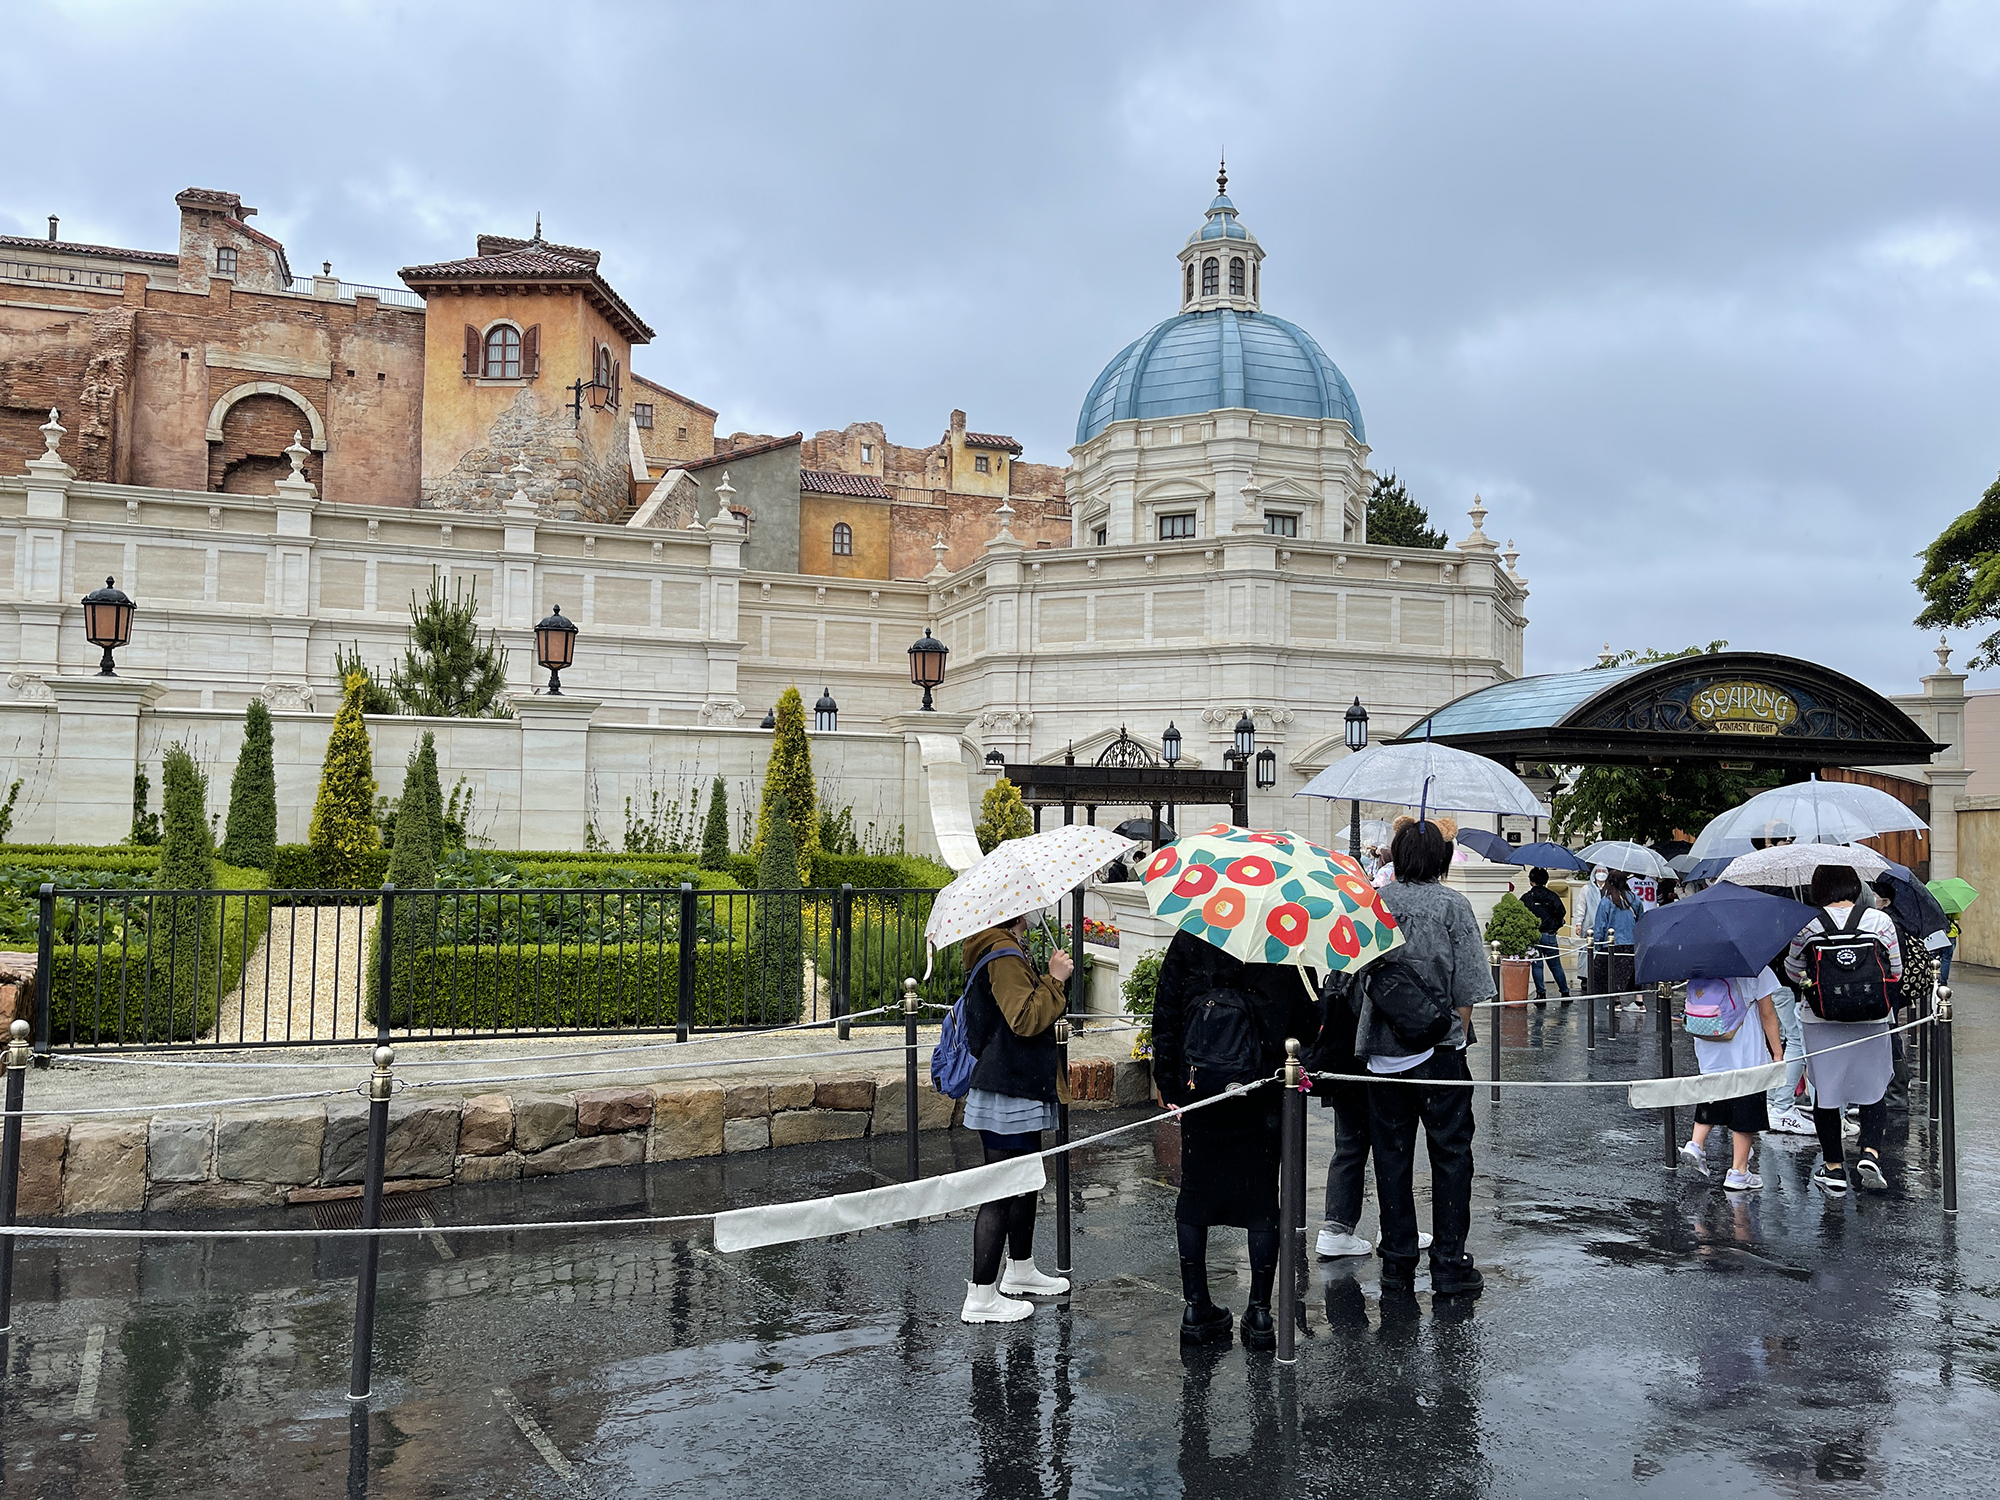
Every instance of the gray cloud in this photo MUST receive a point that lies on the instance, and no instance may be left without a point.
(1702, 298)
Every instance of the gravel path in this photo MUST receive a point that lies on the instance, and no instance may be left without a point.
(313, 962)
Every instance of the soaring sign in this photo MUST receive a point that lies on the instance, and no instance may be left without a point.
(1743, 708)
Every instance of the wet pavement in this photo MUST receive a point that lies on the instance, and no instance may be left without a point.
(1638, 1336)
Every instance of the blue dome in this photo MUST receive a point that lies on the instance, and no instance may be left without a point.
(1202, 361)
(1221, 223)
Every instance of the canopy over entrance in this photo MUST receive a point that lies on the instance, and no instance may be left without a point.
(1746, 709)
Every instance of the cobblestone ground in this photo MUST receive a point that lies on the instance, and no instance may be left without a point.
(1639, 1336)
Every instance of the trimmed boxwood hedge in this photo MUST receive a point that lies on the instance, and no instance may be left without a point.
(296, 869)
(881, 871)
(121, 995)
(488, 988)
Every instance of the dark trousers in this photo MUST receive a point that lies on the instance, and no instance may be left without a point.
(1874, 1120)
(1345, 1173)
(1550, 947)
(1394, 1110)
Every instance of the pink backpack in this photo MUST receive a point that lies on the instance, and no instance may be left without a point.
(1715, 1009)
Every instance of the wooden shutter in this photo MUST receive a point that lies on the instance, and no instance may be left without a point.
(474, 351)
(531, 352)
(615, 373)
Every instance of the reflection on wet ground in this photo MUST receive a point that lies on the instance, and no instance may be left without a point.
(1638, 1335)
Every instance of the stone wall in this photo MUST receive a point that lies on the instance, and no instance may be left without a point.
(568, 479)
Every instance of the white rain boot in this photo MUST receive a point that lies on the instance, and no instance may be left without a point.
(984, 1304)
(1022, 1279)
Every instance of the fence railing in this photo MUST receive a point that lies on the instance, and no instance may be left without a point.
(394, 296)
(29, 270)
(153, 969)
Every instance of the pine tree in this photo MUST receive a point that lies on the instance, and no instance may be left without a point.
(777, 949)
(424, 765)
(446, 672)
(788, 777)
(375, 699)
(715, 833)
(412, 868)
(343, 822)
(1002, 816)
(1395, 520)
(250, 838)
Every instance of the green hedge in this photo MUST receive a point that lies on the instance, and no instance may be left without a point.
(112, 860)
(502, 988)
(295, 869)
(881, 871)
(124, 993)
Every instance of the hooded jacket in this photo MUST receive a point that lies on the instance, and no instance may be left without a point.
(1010, 1017)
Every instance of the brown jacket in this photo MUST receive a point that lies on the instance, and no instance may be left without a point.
(1011, 1013)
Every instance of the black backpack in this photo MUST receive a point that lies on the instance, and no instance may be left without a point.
(1417, 1011)
(1847, 971)
(1224, 1043)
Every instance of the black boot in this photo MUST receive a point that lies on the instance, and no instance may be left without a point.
(1399, 1273)
(1204, 1323)
(1260, 1329)
(1455, 1276)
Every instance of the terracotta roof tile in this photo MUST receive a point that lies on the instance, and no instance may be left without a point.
(499, 244)
(748, 450)
(991, 440)
(534, 263)
(71, 247)
(823, 482)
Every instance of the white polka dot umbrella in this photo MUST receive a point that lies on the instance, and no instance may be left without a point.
(1021, 875)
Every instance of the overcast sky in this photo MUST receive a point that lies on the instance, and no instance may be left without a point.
(1703, 298)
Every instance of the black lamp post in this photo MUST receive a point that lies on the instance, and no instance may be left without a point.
(927, 664)
(1246, 736)
(1357, 739)
(770, 719)
(555, 647)
(1267, 770)
(1170, 746)
(107, 622)
(826, 713)
(995, 761)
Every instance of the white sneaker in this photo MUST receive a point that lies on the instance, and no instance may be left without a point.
(1423, 1241)
(1850, 1128)
(1022, 1279)
(1692, 1159)
(1742, 1182)
(984, 1304)
(1792, 1122)
(1334, 1243)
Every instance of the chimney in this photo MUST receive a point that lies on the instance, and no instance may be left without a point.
(53, 221)
(958, 423)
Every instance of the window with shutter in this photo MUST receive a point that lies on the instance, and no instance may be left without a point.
(617, 373)
(531, 352)
(503, 352)
(473, 352)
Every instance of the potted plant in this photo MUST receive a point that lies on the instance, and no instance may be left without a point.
(1517, 931)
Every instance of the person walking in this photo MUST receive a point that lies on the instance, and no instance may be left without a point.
(1614, 932)
(1548, 909)
(1010, 1017)
(1229, 1150)
(1738, 1029)
(1847, 1061)
(1588, 896)
(1920, 976)
(1443, 966)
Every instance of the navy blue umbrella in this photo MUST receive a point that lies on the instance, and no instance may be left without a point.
(1548, 856)
(1725, 932)
(1488, 845)
(1913, 905)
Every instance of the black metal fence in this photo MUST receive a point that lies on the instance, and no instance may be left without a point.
(150, 969)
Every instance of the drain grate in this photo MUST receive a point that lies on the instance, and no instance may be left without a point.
(398, 1209)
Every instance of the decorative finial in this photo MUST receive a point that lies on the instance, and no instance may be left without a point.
(938, 550)
(298, 453)
(1222, 175)
(725, 491)
(1605, 658)
(1943, 653)
(1477, 540)
(538, 226)
(52, 434)
(1510, 554)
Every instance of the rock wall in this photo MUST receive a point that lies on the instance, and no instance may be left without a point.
(568, 480)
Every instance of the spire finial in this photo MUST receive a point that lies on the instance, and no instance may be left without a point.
(538, 226)
(1222, 174)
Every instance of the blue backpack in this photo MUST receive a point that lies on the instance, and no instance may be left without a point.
(951, 1058)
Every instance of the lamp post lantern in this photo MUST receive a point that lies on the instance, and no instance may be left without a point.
(1357, 739)
(826, 713)
(555, 647)
(1246, 736)
(1267, 769)
(927, 664)
(770, 719)
(107, 622)
(995, 761)
(1170, 745)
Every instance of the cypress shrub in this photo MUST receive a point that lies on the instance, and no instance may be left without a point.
(777, 949)
(1002, 816)
(426, 781)
(788, 777)
(343, 833)
(187, 863)
(412, 868)
(715, 833)
(250, 837)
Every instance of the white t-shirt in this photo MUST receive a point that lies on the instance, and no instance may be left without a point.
(1748, 1048)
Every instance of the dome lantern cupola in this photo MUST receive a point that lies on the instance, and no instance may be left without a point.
(1220, 261)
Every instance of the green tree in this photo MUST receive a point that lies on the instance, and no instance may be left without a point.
(777, 950)
(1960, 580)
(1513, 927)
(187, 863)
(343, 828)
(250, 838)
(424, 768)
(715, 832)
(1395, 520)
(446, 672)
(375, 698)
(412, 868)
(788, 777)
(1650, 804)
(145, 825)
(1002, 816)
(7, 810)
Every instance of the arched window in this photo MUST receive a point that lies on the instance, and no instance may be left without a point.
(603, 375)
(503, 353)
(1188, 294)
(1235, 275)
(1211, 277)
(1253, 282)
(843, 539)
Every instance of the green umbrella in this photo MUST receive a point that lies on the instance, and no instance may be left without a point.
(1954, 895)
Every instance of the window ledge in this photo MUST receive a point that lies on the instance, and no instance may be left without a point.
(484, 380)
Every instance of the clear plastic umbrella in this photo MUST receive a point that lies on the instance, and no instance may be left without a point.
(1623, 854)
(1813, 812)
(1427, 776)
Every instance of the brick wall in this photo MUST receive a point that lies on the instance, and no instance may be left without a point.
(250, 459)
(78, 363)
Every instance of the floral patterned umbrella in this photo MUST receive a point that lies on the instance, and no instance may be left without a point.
(1271, 898)
(1021, 875)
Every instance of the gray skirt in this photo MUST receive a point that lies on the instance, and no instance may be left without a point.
(1853, 1075)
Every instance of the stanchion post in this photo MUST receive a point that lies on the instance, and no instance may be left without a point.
(1924, 1038)
(18, 1053)
(1291, 1175)
(1948, 1105)
(380, 1085)
(1062, 1139)
(1589, 1005)
(1493, 1040)
(1934, 1073)
(1079, 997)
(910, 1077)
(1664, 1024)
(684, 986)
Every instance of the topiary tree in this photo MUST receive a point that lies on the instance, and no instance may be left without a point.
(343, 822)
(446, 671)
(788, 777)
(412, 868)
(777, 946)
(715, 832)
(250, 837)
(187, 863)
(1513, 927)
(1002, 816)
(424, 770)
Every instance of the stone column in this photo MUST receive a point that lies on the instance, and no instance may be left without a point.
(937, 793)
(725, 585)
(1943, 717)
(97, 752)
(514, 609)
(289, 686)
(555, 769)
(40, 611)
